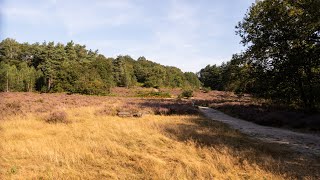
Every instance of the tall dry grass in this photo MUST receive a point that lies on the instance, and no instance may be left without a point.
(99, 146)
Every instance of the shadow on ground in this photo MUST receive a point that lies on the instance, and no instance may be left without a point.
(270, 157)
(169, 107)
(275, 115)
(212, 134)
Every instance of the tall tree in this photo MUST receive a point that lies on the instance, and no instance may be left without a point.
(283, 39)
(9, 51)
(50, 67)
(192, 80)
(210, 76)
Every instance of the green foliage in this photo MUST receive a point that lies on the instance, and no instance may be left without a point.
(283, 48)
(282, 60)
(174, 77)
(4, 70)
(186, 94)
(50, 67)
(104, 68)
(206, 89)
(124, 72)
(21, 78)
(159, 94)
(210, 76)
(192, 80)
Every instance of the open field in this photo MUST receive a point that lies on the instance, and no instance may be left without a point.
(167, 142)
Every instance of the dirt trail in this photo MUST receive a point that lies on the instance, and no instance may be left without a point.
(304, 143)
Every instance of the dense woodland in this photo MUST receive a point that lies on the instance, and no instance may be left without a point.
(282, 59)
(50, 67)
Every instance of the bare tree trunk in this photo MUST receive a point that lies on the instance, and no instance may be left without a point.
(49, 84)
(30, 86)
(7, 90)
(303, 94)
(311, 97)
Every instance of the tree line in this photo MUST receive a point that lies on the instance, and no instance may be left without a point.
(282, 59)
(50, 67)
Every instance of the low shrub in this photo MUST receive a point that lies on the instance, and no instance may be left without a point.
(15, 105)
(206, 89)
(159, 94)
(106, 111)
(186, 94)
(10, 108)
(162, 111)
(57, 117)
(170, 108)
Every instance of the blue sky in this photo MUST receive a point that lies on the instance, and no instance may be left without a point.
(188, 34)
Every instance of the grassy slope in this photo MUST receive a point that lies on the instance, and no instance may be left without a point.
(96, 146)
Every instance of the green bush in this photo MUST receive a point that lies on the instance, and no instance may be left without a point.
(153, 94)
(186, 94)
(206, 89)
(239, 92)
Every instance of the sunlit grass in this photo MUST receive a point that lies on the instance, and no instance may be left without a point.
(98, 146)
(111, 147)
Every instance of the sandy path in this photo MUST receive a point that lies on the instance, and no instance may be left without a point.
(305, 143)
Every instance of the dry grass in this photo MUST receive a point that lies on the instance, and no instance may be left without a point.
(100, 146)
(109, 147)
(57, 117)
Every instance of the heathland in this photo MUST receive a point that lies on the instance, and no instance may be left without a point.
(69, 112)
(49, 136)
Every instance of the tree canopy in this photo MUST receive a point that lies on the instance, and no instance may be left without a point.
(55, 67)
(282, 59)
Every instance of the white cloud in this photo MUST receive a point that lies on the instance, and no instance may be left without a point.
(175, 41)
(79, 17)
(182, 33)
(75, 17)
(26, 14)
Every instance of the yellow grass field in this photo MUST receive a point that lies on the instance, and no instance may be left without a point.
(97, 146)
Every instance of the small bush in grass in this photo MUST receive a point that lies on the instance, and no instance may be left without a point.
(57, 117)
(174, 109)
(14, 105)
(186, 94)
(159, 94)
(106, 111)
(206, 89)
(162, 111)
(11, 108)
(40, 100)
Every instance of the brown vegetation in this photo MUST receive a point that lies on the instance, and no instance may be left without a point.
(178, 144)
(245, 107)
(260, 111)
(57, 117)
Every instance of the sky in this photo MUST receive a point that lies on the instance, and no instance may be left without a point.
(188, 34)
